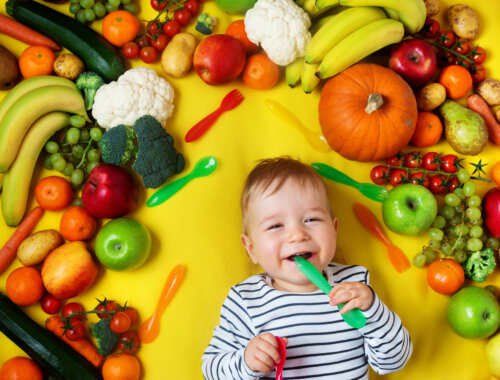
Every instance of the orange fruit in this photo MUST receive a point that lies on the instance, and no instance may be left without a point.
(121, 367)
(260, 72)
(53, 193)
(20, 368)
(495, 173)
(237, 30)
(77, 224)
(24, 286)
(445, 276)
(36, 60)
(428, 130)
(120, 27)
(457, 81)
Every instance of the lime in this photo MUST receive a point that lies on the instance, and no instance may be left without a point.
(235, 6)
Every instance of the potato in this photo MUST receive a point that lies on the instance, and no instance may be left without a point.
(463, 21)
(35, 248)
(68, 66)
(431, 96)
(432, 7)
(489, 89)
(177, 58)
(497, 114)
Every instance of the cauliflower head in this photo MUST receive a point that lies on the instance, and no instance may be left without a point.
(137, 92)
(281, 27)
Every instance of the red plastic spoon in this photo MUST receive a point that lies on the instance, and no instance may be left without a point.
(281, 364)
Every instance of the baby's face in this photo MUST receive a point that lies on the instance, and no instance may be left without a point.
(295, 220)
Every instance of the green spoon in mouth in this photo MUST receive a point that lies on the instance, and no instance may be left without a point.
(354, 317)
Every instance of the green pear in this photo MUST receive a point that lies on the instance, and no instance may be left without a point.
(465, 130)
(493, 354)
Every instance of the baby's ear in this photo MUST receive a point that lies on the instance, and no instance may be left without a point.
(247, 243)
(335, 223)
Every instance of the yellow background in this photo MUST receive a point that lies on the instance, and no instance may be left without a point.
(200, 227)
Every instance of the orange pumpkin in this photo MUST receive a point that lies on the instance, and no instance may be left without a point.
(367, 112)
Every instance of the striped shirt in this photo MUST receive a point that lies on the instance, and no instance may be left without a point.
(320, 344)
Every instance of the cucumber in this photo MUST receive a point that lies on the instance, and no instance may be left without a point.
(51, 353)
(97, 53)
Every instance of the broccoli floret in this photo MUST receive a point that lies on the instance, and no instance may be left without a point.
(205, 24)
(106, 338)
(479, 265)
(118, 145)
(157, 159)
(89, 82)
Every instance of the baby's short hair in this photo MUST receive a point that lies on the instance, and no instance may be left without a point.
(276, 171)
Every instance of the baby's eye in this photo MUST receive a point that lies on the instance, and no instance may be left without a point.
(313, 219)
(274, 226)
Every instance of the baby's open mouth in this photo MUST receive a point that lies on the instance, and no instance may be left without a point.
(305, 255)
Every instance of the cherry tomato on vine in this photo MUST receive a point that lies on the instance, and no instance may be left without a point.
(160, 42)
(50, 304)
(129, 342)
(394, 160)
(77, 330)
(462, 46)
(143, 42)
(431, 160)
(478, 54)
(437, 184)
(148, 54)
(479, 73)
(452, 184)
(379, 174)
(120, 322)
(153, 27)
(182, 16)
(72, 308)
(398, 177)
(413, 160)
(431, 28)
(106, 306)
(131, 50)
(446, 38)
(158, 5)
(132, 313)
(171, 28)
(192, 6)
(450, 163)
(420, 178)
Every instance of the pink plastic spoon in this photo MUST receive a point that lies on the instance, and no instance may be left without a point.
(281, 364)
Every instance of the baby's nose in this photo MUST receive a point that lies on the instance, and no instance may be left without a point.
(298, 233)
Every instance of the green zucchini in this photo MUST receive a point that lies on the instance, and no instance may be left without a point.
(97, 53)
(50, 352)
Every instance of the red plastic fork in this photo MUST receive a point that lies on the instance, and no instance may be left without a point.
(282, 352)
(232, 100)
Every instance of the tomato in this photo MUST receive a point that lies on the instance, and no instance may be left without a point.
(106, 305)
(148, 54)
(129, 342)
(192, 6)
(144, 41)
(479, 73)
(171, 28)
(120, 322)
(431, 161)
(478, 54)
(120, 27)
(438, 184)
(452, 184)
(132, 313)
(182, 16)
(160, 42)
(379, 174)
(420, 178)
(413, 160)
(394, 160)
(77, 330)
(398, 177)
(431, 28)
(131, 50)
(72, 308)
(153, 28)
(50, 304)
(450, 163)
(446, 38)
(158, 5)
(462, 46)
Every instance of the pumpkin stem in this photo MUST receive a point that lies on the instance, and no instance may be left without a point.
(374, 102)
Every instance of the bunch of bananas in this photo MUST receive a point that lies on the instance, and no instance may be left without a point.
(29, 115)
(350, 31)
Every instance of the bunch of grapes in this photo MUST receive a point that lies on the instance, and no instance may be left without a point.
(86, 11)
(75, 151)
(458, 228)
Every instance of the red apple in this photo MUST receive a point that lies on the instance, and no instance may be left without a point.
(219, 59)
(414, 60)
(491, 211)
(68, 270)
(109, 192)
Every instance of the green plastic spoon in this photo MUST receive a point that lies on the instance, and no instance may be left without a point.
(354, 317)
(203, 167)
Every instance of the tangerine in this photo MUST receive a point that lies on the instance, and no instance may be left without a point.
(77, 224)
(428, 130)
(24, 286)
(260, 72)
(53, 193)
(445, 276)
(121, 367)
(20, 368)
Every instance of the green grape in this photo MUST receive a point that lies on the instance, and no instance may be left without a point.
(463, 175)
(446, 248)
(125, 2)
(93, 155)
(459, 192)
(110, 8)
(74, 1)
(95, 134)
(54, 157)
(100, 10)
(87, 3)
(91, 166)
(430, 256)
(483, 238)
(474, 201)
(52, 147)
(115, 3)
(434, 244)
(89, 15)
(77, 177)
(461, 230)
(73, 135)
(493, 243)
(461, 243)
(452, 199)
(435, 234)
(447, 211)
(460, 256)
(469, 189)
(76, 121)
(60, 164)
(456, 220)
(69, 169)
(473, 213)
(476, 231)
(77, 151)
(474, 244)
(80, 16)
(74, 8)
(77, 202)
(478, 222)
(84, 135)
(132, 8)
(47, 164)
(439, 222)
(419, 260)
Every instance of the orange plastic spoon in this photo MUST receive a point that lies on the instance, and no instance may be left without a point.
(150, 328)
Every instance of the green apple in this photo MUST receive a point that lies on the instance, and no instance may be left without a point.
(235, 6)
(123, 244)
(473, 313)
(409, 209)
(493, 354)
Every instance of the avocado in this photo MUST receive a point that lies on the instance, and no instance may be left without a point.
(9, 69)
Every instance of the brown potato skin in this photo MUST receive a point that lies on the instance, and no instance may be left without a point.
(489, 90)
(464, 21)
(431, 96)
(432, 7)
(68, 66)
(177, 58)
(36, 247)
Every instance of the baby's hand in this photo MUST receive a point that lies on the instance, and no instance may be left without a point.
(355, 294)
(261, 354)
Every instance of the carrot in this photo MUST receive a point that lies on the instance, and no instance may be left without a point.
(9, 250)
(477, 104)
(83, 346)
(21, 32)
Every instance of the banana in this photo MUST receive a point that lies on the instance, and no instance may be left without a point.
(322, 4)
(293, 72)
(359, 44)
(339, 27)
(29, 108)
(313, 10)
(2, 175)
(391, 13)
(16, 184)
(411, 13)
(30, 84)
(308, 77)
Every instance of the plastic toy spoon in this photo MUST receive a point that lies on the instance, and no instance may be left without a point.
(282, 351)
(203, 167)
(316, 140)
(150, 328)
(354, 317)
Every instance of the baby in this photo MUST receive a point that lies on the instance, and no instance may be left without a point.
(286, 212)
